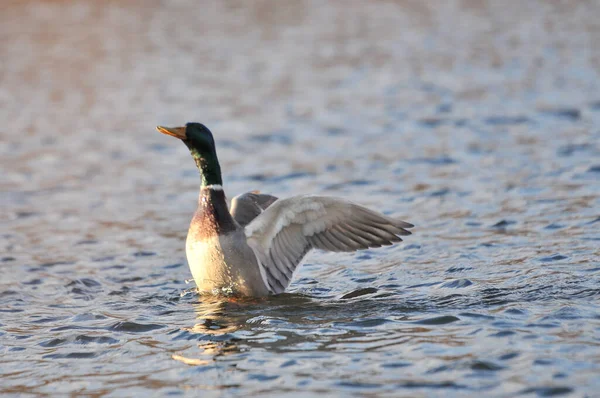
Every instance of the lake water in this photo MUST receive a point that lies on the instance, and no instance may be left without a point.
(479, 122)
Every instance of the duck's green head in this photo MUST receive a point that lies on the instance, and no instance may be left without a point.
(198, 138)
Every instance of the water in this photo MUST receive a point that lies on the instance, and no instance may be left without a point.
(477, 122)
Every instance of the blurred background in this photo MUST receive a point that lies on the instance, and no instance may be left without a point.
(478, 121)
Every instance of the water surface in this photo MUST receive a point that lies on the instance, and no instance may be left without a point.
(479, 122)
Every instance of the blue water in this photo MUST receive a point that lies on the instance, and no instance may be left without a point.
(479, 123)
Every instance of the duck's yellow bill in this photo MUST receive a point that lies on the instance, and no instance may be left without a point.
(177, 132)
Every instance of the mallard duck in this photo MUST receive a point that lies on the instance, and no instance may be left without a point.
(254, 249)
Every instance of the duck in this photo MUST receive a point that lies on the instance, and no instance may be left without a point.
(255, 247)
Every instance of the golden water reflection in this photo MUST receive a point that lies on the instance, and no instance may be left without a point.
(216, 316)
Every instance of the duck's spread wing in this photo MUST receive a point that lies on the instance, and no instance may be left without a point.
(283, 234)
(245, 207)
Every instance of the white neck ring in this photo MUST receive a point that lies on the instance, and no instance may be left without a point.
(214, 187)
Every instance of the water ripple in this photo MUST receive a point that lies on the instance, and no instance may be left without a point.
(486, 141)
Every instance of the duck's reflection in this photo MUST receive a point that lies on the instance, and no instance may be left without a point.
(217, 318)
(223, 324)
(218, 315)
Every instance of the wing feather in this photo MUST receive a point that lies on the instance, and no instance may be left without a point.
(324, 243)
(342, 242)
(288, 228)
(361, 234)
(355, 241)
(245, 207)
(278, 254)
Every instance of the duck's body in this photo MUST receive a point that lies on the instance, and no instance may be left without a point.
(254, 249)
(217, 251)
